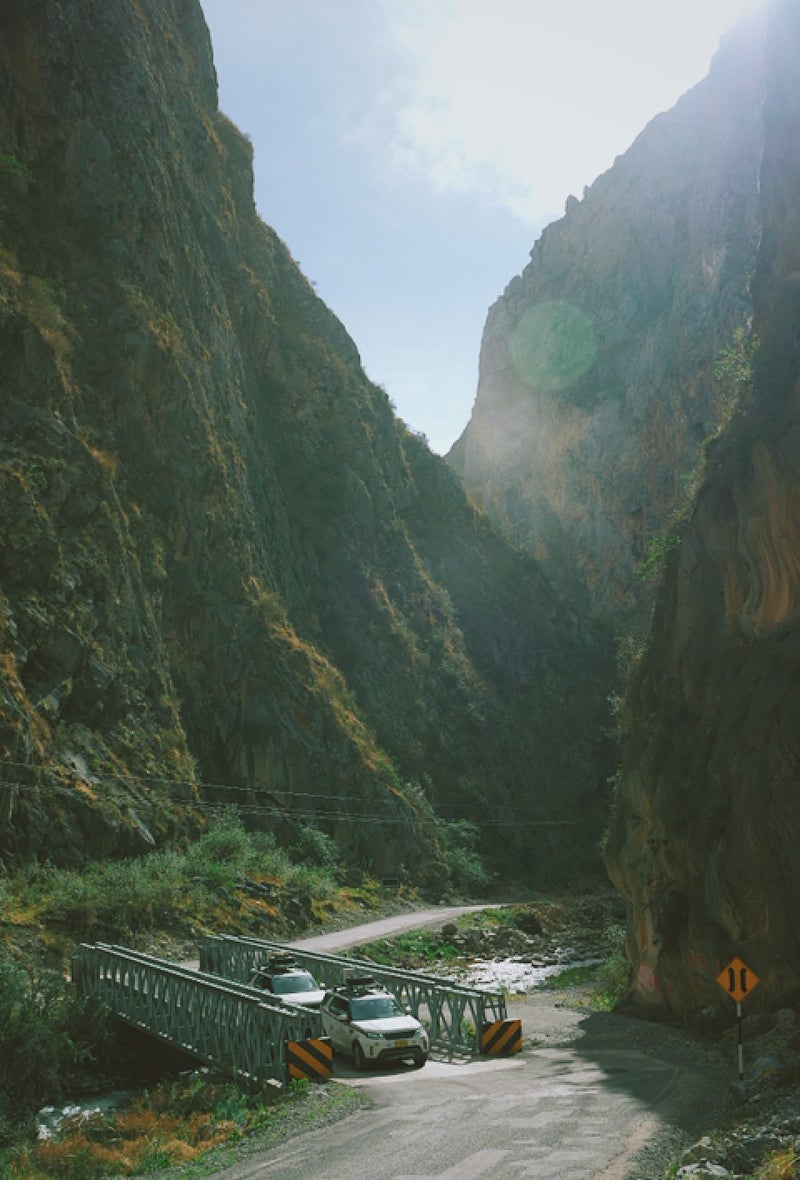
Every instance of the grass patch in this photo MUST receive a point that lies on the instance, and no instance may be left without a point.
(602, 984)
(527, 918)
(573, 977)
(414, 949)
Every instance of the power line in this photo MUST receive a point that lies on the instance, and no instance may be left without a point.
(280, 808)
(284, 811)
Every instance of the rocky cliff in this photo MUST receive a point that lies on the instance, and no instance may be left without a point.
(597, 384)
(227, 573)
(706, 829)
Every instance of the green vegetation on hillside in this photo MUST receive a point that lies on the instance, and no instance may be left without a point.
(184, 893)
(734, 373)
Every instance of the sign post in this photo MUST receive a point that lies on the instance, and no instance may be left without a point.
(738, 980)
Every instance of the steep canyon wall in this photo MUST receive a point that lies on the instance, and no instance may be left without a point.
(706, 829)
(227, 573)
(605, 429)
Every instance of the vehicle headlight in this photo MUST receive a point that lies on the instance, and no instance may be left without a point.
(371, 1036)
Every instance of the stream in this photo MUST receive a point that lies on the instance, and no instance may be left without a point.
(515, 976)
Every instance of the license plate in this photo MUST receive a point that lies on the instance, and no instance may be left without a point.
(402, 1044)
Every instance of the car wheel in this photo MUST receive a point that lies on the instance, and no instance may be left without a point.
(420, 1060)
(359, 1060)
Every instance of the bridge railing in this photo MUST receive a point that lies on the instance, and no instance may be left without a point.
(222, 1022)
(453, 1014)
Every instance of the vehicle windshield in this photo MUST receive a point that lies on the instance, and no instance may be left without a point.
(375, 1007)
(284, 985)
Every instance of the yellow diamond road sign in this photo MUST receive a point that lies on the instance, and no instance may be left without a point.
(737, 979)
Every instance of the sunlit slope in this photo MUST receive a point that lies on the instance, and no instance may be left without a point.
(597, 386)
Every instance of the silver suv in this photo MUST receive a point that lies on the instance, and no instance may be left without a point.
(365, 1021)
(282, 976)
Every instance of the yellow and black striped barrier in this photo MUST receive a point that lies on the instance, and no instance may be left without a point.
(501, 1038)
(312, 1059)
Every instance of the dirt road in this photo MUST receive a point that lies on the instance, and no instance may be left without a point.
(340, 940)
(593, 1096)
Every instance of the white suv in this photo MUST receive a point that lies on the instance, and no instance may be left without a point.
(365, 1021)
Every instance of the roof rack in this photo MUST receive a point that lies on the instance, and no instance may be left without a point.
(281, 961)
(362, 983)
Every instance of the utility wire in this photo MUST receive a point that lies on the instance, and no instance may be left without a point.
(279, 808)
(284, 811)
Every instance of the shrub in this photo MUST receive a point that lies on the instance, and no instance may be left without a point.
(45, 1034)
(271, 861)
(459, 840)
(614, 973)
(315, 881)
(224, 854)
(734, 373)
(315, 847)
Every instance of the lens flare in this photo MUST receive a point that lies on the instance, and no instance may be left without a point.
(553, 345)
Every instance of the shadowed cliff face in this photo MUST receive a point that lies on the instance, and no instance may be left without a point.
(707, 826)
(222, 559)
(597, 385)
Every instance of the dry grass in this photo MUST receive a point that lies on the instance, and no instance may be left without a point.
(783, 1165)
(156, 1131)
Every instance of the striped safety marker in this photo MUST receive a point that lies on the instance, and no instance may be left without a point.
(501, 1037)
(310, 1059)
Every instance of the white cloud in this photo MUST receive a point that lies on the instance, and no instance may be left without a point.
(520, 102)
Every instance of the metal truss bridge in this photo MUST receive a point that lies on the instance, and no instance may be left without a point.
(454, 1015)
(218, 1021)
(215, 1016)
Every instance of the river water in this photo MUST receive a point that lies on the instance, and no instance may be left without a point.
(51, 1118)
(515, 976)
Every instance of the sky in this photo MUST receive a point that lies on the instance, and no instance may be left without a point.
(410, 152)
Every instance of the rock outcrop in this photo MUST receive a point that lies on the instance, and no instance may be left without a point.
(707, 825)
(597, 386)
(227, 573)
